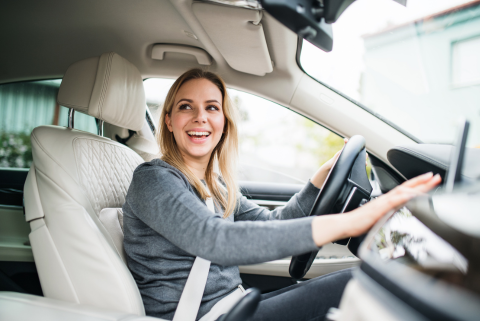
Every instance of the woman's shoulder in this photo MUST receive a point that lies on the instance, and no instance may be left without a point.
(158, 169)
(155, 163)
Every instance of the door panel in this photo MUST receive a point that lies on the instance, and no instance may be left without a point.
(264, 191)
(11, 185)
(331, 258)
(14, 230)
(17, 268)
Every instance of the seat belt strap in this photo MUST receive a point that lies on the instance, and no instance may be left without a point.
(192, 294)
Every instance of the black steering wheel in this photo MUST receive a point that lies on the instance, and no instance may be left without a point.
(346, 188)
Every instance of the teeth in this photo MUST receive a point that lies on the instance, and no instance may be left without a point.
(198, 133)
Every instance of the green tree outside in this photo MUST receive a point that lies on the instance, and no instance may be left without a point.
(15, 150)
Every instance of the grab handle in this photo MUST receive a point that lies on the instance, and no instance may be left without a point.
(203, 58)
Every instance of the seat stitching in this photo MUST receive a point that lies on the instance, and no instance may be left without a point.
(105, 84)
(113, 185)
(50, 156)
(110, 177)
(102, 247)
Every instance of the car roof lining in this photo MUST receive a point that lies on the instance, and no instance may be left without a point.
(53, 34)
(48, 36)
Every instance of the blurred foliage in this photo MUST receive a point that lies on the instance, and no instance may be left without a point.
(15, 150)
(312, 143)
(397, 237)
(325, 143)
(242, 112)
(244, 117)
(380, 239)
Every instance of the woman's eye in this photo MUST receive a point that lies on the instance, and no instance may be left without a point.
(185, 107)
(212, 107)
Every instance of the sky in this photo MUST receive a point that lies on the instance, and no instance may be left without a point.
(342, 67)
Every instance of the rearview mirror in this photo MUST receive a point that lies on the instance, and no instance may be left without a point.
(310, 19)
(305, 18)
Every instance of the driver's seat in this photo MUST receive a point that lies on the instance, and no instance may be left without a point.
(74, 176)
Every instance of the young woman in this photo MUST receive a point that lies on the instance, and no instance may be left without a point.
(167, 223)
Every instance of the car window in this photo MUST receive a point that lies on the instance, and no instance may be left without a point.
(417, 66)
(24, 106)
(276, 144)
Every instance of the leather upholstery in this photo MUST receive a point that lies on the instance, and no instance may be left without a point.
(108, 88)
(104, 171)
(112, 220)
(143, 141)
(74, 176)
(20, 307)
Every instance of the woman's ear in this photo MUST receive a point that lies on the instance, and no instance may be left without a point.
(168, 122)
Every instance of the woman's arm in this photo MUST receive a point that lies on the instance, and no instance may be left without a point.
(161, 200)
(328, 228)
(298, 206)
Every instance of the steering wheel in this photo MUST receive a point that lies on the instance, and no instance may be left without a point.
(346, 188)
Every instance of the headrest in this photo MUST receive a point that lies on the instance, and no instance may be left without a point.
(108, 88)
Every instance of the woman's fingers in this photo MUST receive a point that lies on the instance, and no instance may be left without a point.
(371, 212)
(423, 183)
(428, 185)
(394, 199)
(403, 193)
(421, 179)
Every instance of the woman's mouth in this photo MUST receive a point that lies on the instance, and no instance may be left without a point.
(198, 136)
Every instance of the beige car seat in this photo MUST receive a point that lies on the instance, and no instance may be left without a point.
(74, 176)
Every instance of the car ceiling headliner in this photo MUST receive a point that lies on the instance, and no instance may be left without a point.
(40, 39)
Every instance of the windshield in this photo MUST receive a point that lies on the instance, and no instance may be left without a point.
(417, 66)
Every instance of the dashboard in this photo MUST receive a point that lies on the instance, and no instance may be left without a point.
(423, 261)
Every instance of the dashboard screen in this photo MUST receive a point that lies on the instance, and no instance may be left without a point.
(406, 240)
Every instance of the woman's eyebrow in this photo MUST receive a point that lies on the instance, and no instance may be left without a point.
(212, 101)
(184, 99)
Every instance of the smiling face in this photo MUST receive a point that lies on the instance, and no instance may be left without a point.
(196, 119)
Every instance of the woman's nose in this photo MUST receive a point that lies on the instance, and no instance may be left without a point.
(200, 116)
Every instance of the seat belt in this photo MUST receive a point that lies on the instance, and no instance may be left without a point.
(192, 293)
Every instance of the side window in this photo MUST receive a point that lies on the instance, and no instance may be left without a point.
(278, 145)
(24, 106)
(156, 90)
(465, 62)
(275, 144)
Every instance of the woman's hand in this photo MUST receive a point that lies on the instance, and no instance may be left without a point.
(328, 228)
(318, 179)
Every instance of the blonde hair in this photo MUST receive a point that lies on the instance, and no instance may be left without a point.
(224, 155)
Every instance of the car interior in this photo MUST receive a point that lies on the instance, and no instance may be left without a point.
(61, 253)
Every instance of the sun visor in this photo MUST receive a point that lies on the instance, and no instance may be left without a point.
(238, 35)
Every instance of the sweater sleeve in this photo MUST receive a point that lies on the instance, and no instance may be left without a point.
(298, 206)
(160, 198)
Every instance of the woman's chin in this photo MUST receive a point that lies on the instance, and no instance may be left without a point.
(199, 153)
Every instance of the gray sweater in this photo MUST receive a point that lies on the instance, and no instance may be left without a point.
(167, 224)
